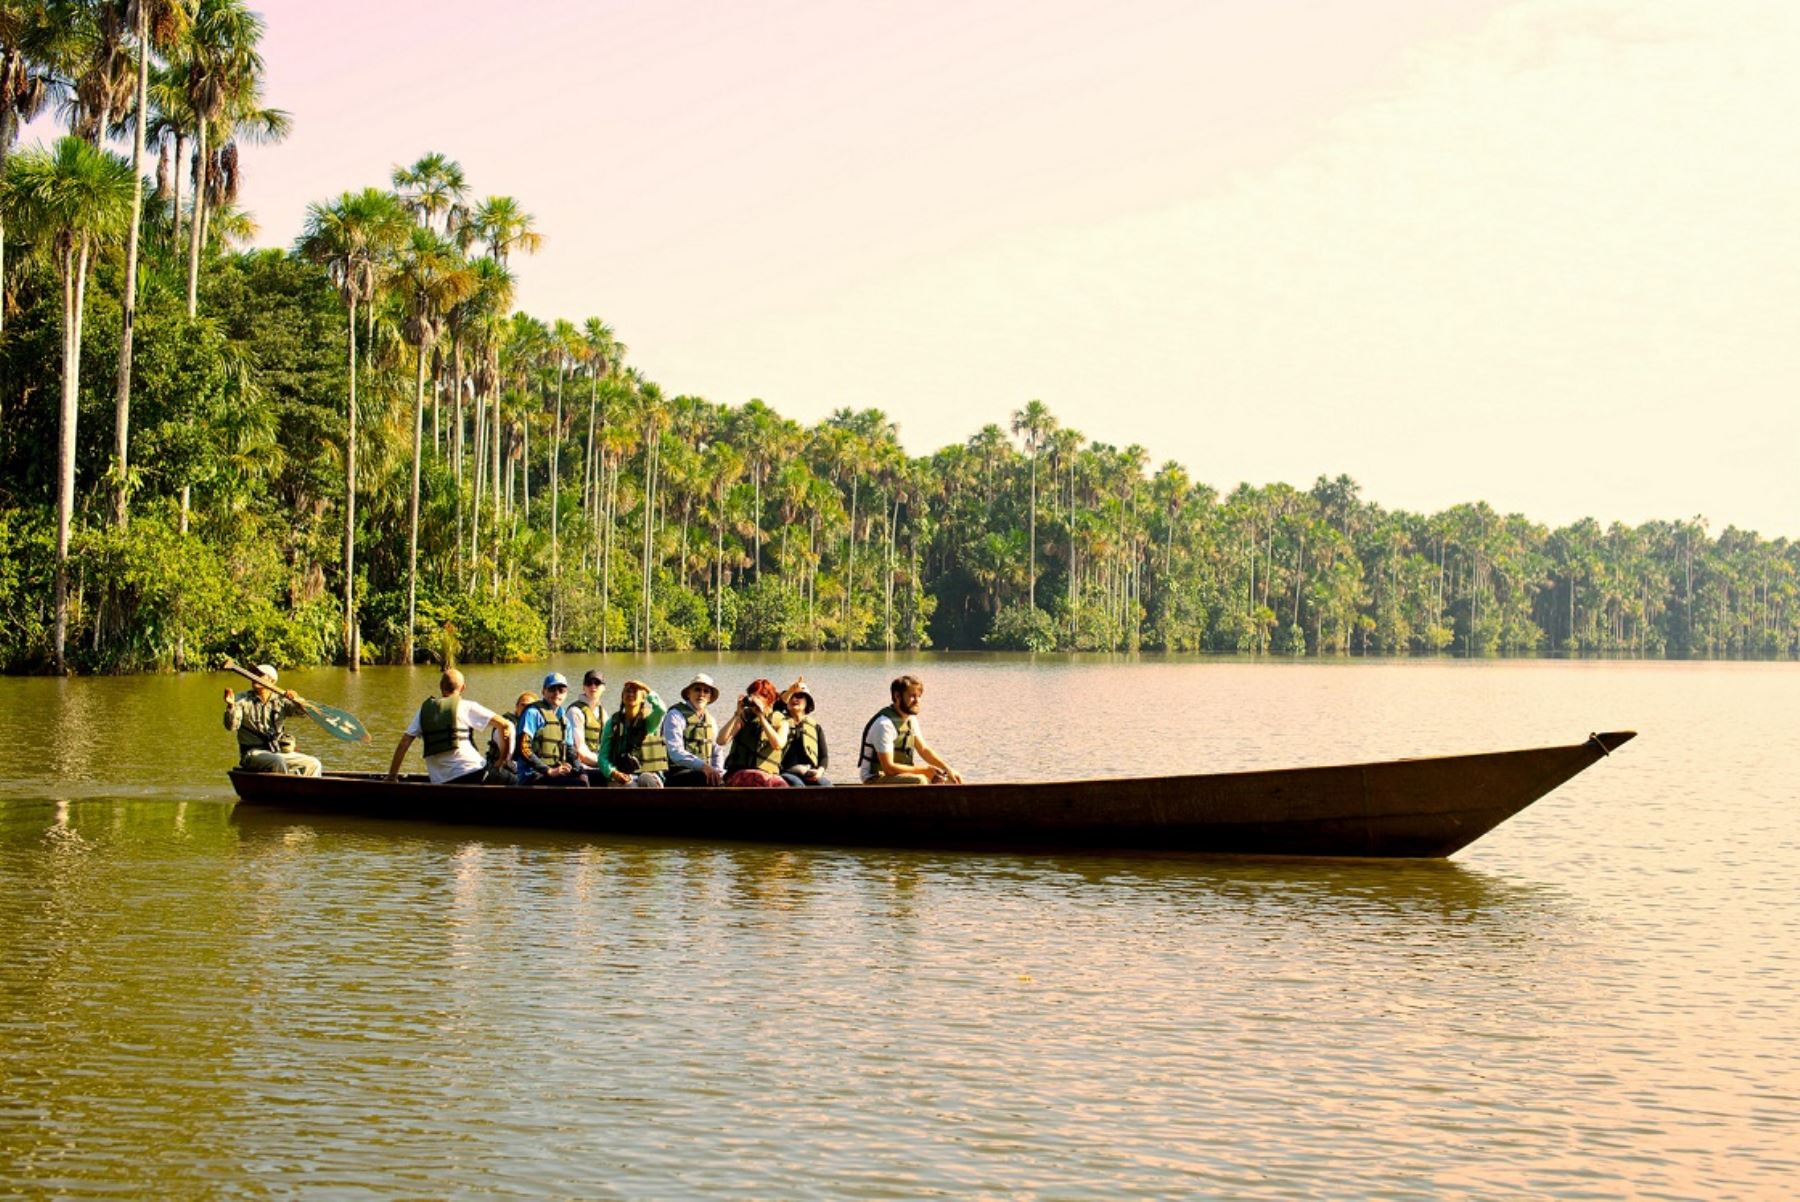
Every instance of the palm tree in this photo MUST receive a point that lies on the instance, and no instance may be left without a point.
(500, 222)
(565, 346)
(158, 23)
(26, 85)
(484, 319)
(722, 466)
(67, 202)
(352, 237)
(474, 324)
(220, 71)
(432, 186)
(1035, 422)
(600, 353)
(429, 277)
(96, 53)
(654, 417)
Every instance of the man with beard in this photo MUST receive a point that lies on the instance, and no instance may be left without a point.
(893, 751)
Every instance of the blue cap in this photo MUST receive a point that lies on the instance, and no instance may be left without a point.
(554, 679)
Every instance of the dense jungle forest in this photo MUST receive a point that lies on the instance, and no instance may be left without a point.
(358, 450)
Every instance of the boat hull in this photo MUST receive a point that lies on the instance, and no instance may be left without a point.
(1397, 808)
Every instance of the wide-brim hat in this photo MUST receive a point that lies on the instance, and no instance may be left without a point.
(268, 672)
(701, 680)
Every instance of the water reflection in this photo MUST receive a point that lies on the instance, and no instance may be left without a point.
(1593, 1001)
(758, 877)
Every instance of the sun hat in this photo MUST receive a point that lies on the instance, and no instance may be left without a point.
(268, 670)
(703, 680)
(811, 705)
(554, 679)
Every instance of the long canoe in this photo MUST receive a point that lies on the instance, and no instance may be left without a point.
(1396, 808)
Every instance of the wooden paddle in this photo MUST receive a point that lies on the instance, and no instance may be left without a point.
(337, 722)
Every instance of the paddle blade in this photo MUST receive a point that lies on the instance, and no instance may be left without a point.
(337, 722)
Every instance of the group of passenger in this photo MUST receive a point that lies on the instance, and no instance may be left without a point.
(770, 739)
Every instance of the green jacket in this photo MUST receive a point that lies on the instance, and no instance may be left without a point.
(652, 730)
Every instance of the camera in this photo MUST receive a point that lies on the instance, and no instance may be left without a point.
(751, 711)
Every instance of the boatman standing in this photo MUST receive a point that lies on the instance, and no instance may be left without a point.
(893, 750)
(264, 744)
(448, 724)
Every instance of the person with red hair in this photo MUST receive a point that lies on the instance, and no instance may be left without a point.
(754, 739)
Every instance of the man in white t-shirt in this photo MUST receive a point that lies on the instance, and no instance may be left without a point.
(448, 723)
(893, 751)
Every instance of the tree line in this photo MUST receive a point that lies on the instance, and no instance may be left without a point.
(358, 450)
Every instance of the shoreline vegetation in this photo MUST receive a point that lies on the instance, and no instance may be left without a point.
(356, 450)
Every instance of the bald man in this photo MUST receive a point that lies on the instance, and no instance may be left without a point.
(448, 723)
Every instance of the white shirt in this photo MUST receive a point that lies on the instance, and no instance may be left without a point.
(882, 737)
(578, 732)
(461, 759)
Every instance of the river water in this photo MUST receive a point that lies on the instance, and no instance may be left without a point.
(1594, 1001)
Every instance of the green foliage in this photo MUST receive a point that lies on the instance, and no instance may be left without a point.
(1020, 628)
(770, 617)
(760, 534)
(27, 561)
(502, 630)
(681, 619)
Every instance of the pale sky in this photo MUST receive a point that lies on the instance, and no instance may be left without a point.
(1544, 253)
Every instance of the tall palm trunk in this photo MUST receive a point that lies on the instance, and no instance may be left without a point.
(494, 487)
(719, 578)
(1031, 584)
(480, 478)
(352, 647)
(850, 570)
(196, 228)
(650, 457)
(456, 445)
(180, 167)
(412, 534)
(556, 437)
(9, 129)
(122, 399)
(589, 493)
(612, 493)
(75, 261)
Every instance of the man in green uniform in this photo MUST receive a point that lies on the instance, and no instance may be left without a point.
(257, 718)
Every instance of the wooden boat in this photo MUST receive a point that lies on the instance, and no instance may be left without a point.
(1414, 807)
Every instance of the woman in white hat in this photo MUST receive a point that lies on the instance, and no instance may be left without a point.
(691, 737)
